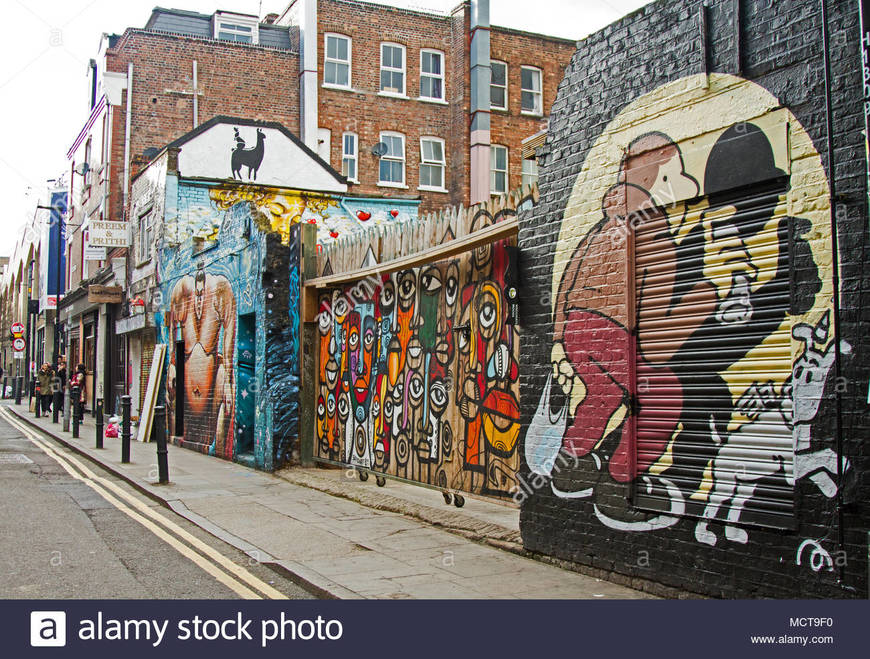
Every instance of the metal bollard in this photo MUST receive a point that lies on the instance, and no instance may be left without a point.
(125, 429)
(158, 436)
(76, 410)
(100, 423)
(37, 395)
(66, 409)
(18, 390)
(56, 404)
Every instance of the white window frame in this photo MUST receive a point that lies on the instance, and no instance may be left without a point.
(539, 93)
(505, 87)
(354, 157)
(226, 22)
(493, 171)
(434, 163)
(530, 178)
(348, 62)
(393, 184)
(404, 71)
(433, 76)
(144, 236)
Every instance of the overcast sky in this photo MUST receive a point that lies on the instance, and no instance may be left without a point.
(47, 44)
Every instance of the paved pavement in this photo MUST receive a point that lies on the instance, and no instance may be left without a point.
(64, 538)
(342, 538)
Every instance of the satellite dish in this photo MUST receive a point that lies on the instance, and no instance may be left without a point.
(380, 149)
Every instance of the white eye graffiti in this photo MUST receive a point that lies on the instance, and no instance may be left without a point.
(415, 388)
(487, 315)
(330, 405)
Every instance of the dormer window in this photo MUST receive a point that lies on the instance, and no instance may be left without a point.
(236, 27)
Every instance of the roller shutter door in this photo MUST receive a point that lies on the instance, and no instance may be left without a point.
(713, 358)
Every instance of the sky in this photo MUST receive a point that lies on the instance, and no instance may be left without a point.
(47, 45)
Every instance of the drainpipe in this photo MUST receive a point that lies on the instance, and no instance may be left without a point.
(127, 138)
(308, 75)
(835, 264)
(480, 100)
(195, 97)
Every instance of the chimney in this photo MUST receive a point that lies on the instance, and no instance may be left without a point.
(270, 19)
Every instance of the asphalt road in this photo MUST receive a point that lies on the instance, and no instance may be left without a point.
(87, 534)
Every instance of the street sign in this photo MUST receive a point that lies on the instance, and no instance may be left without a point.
(109, 234)
(18, 355)
(17, 329)
(18, 344)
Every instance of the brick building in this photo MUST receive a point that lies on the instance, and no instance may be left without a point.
(693, 372)
(419, 84)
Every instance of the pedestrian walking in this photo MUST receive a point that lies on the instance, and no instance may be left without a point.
(45, 381)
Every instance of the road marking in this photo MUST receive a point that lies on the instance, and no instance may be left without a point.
(99, 484)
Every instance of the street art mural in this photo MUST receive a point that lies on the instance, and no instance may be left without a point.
(419, 373)
(232, 386)
(251, 158)
(691, 308)
(203, 308)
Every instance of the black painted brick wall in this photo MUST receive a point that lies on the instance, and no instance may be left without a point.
(782, 51)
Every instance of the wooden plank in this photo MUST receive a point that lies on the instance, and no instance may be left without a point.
(146, 416)
(490, 234)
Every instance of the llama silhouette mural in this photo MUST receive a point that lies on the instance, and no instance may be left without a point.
(250, 158)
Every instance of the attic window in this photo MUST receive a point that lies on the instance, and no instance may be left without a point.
(236, 27)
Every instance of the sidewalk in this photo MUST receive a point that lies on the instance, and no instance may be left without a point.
(340, 537)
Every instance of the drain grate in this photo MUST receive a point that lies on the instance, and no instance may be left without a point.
(14, 459)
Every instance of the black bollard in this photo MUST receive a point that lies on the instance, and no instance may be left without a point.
(56, 403)
(158, 436)
(37, 394)
(4, 386)
(76, 410)
(100, 423)
(125, 429)
(18, 390)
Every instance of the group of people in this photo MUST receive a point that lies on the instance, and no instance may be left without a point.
(49, 380)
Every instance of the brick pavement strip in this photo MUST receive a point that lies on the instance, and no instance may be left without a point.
(369, 543)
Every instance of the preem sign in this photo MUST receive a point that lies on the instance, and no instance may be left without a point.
(109, 234)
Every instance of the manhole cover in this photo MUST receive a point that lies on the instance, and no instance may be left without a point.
(14, 459)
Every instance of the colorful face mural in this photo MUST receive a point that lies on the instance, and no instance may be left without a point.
(419, 377)
(689, 355)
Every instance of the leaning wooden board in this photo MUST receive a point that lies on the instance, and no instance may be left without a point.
(147, 414)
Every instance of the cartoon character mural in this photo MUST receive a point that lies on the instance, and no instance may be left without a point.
(683, 366)
(419, 374)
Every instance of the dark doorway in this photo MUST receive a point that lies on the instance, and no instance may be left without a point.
(179, 389)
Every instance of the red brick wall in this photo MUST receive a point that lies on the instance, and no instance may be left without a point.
(233, 79)
(517, 49)
(364, 112)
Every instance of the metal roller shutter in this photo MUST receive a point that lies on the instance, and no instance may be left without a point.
(711, 376)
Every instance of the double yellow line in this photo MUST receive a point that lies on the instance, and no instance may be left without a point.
(238, 579)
